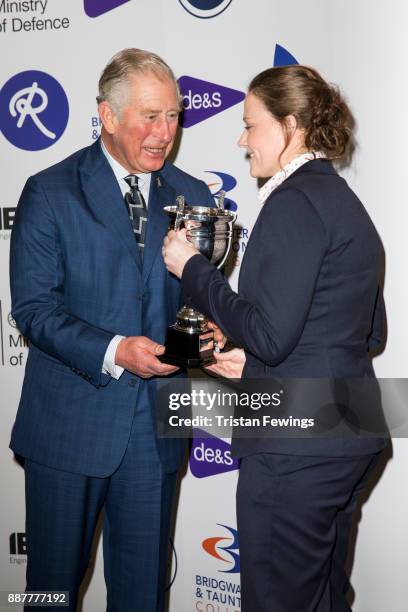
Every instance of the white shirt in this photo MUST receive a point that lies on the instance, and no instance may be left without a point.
(278, 178)
(109, 366)
(120, 172)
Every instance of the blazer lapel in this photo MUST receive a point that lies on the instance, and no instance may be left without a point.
(105, 197)
(161, 195)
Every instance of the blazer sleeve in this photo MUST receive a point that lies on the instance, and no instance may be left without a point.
(37, 290)
(281, 267)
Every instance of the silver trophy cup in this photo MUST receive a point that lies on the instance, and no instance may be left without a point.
(190, 342)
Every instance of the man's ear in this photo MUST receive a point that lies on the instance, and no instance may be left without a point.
(108, 117)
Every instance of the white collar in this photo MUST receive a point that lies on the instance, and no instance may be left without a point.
(278, 178)
(120, 172)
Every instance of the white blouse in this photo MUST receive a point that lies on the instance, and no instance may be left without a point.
(278, 178)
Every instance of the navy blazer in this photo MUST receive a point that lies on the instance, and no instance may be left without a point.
(308, 303)
(77, 279)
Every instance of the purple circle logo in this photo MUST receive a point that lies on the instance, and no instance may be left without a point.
(205, 9)
(34, 110)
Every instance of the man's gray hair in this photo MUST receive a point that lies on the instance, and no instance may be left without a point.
(115, 78)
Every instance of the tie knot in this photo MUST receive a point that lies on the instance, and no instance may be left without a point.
(132, 180)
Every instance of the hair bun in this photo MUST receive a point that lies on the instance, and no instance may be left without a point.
(331, 122)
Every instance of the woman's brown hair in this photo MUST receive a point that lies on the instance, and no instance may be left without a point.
(317, 106)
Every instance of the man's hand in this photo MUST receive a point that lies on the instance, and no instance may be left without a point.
(138, 354)
(229, 364)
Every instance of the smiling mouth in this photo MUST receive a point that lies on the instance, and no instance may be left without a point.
(156, 150)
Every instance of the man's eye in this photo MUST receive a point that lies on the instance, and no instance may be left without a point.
(173, 116)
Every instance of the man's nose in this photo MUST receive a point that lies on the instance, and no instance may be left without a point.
(163, 130)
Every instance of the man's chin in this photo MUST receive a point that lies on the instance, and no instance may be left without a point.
(153, 165)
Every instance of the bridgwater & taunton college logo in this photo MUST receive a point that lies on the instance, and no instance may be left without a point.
(225, 183)
(226, 549)
(34, 110)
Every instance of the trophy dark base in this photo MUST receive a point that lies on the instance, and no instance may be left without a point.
(188, 350)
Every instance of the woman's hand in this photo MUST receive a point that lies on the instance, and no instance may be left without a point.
(176, 251)
(219, 338)
(229, 364)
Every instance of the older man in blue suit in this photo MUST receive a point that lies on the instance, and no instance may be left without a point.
(91, 293)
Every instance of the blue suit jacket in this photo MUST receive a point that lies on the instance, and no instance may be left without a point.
(308, 304)
(77, 279)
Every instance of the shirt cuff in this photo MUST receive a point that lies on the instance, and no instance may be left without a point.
(109, 366)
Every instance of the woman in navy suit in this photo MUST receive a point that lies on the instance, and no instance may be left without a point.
(308, 306)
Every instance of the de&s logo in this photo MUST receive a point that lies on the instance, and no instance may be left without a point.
(225, 183)
(223, 548)
(205, 9)
(210, 455)
(34, 110)
(94, 8)
(202, 99)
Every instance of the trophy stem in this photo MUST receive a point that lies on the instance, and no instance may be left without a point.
(190, 342)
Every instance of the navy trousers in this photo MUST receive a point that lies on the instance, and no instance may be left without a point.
(294, 517)
(62, 511)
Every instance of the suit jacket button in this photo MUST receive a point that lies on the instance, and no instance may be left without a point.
(132, 382)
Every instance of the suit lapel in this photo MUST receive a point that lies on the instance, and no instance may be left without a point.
(105, 198)
(161, 195)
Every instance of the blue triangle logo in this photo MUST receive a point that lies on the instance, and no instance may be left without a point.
(283, 57)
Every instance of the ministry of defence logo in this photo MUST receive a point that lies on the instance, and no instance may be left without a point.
(34, 110)
(205, 9)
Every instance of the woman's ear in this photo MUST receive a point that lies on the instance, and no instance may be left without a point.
(291, 123)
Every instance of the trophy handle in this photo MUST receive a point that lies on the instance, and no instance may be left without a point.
(180, 212)
(220, 201)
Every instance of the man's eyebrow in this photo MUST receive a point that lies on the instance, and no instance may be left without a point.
(154, 111)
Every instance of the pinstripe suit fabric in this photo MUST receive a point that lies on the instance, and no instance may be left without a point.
(77, 279)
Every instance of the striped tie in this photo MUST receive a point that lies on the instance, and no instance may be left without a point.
(136, 206)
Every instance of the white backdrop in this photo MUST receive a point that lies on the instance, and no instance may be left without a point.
(360, 45)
